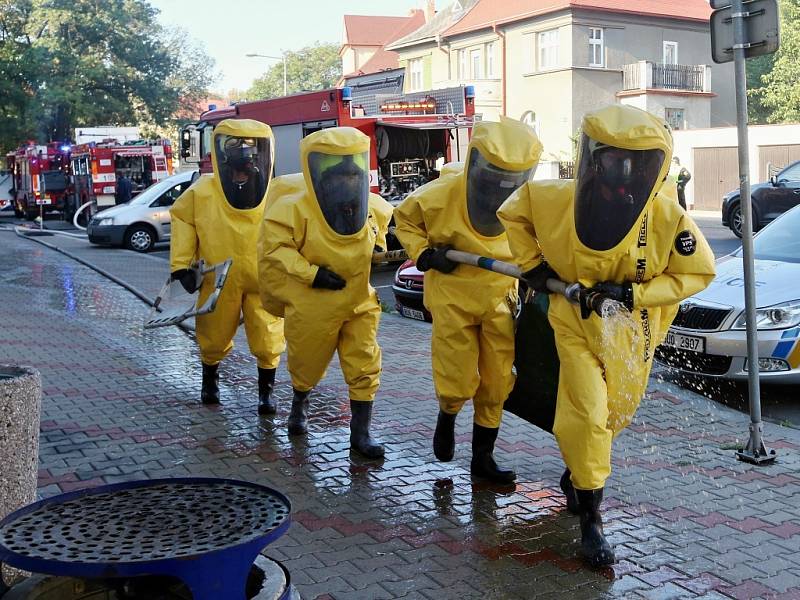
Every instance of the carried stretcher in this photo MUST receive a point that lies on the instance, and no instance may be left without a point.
(536, 358)
(173, 305)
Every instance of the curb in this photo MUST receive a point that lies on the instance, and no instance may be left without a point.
(132, 289)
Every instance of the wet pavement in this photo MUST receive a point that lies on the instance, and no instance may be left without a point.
(120, 403)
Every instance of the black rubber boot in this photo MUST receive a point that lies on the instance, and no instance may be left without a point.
(298, 417)
(444, 438)
(569, 492)
(596, 550)
(266, 381)
(483, 464)
(360, 439)
(209, 392)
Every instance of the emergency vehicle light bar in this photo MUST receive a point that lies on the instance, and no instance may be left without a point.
(426, 105)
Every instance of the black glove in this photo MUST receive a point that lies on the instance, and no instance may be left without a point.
(327, 280)
(591, 299)
(187, 278)
(435, 258)
(537, 277)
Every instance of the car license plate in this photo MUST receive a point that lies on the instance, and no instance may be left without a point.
(685, 342)
(412, 313)
(43, 201)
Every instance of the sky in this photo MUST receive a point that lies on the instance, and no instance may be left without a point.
(229, 29)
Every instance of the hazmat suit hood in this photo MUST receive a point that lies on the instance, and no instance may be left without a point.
(501, 157)
(242, 156)
(623, 160)
(336, 170)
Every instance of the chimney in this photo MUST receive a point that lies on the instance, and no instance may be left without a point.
(430, 10)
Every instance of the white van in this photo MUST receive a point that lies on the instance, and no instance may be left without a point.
(145, 220)
(6, 202)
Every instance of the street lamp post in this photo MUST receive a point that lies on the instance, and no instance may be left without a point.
(283, 58)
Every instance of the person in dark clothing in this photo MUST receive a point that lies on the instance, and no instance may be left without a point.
(124, 189)
(681, 176)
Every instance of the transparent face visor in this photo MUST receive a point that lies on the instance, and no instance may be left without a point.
(245, 168)
(341, 186)
(613, 185)
(488, 186)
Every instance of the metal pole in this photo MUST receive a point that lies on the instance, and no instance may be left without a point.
(284, 73)
(755, 452)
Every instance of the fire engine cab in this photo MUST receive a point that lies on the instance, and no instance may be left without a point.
(40, 178)
(412, 135)
(95, 166)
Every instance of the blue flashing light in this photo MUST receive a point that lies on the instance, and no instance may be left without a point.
(66, 148)
(212, 107)
(469, 91)
(347, 94)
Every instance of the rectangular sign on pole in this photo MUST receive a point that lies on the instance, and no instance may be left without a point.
(762, 29)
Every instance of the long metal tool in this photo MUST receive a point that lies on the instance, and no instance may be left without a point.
(756, 451)
(571, 291)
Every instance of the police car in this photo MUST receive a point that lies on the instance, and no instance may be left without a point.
(708, 334)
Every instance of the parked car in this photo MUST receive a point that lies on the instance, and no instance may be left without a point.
(145, 220)
(407, 288)
(708, 335)
(6, 203)
(770, 200)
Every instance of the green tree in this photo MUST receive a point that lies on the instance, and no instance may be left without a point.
(91, 62)
(17, 75)
(311, 68)
(776, 79)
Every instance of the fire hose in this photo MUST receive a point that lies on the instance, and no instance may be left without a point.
(77, 213)
(574, 292)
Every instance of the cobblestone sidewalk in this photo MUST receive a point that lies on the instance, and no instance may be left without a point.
(687, 520)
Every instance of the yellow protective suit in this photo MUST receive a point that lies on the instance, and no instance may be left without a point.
(205, 225)
(472, 346)
(604, 372)
(295, 241)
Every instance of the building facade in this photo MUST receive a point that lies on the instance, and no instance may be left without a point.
(548, 62)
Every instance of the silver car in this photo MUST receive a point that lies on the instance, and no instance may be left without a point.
(145, 220)
(708, 334)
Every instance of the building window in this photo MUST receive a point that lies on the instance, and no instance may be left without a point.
(491, 47)
(529, 49)
(462, 64)
(548, 49)
(596, 50)
(475, 60)
(675, 118)
(670, 53)
(415, 70)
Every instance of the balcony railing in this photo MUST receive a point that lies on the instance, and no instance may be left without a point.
(646, 75)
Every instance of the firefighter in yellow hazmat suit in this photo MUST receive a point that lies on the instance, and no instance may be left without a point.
(472, 345)
(611, 230)
(217, 218)
(315, 255)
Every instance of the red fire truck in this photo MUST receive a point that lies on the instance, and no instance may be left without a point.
(95, 166)
(41, 178)
(413, 135)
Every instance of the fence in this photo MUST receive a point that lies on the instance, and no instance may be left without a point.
(688, 78)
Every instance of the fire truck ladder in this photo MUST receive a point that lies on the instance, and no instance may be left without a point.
(161, 163)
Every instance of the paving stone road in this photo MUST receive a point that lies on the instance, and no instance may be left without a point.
(121, 403)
